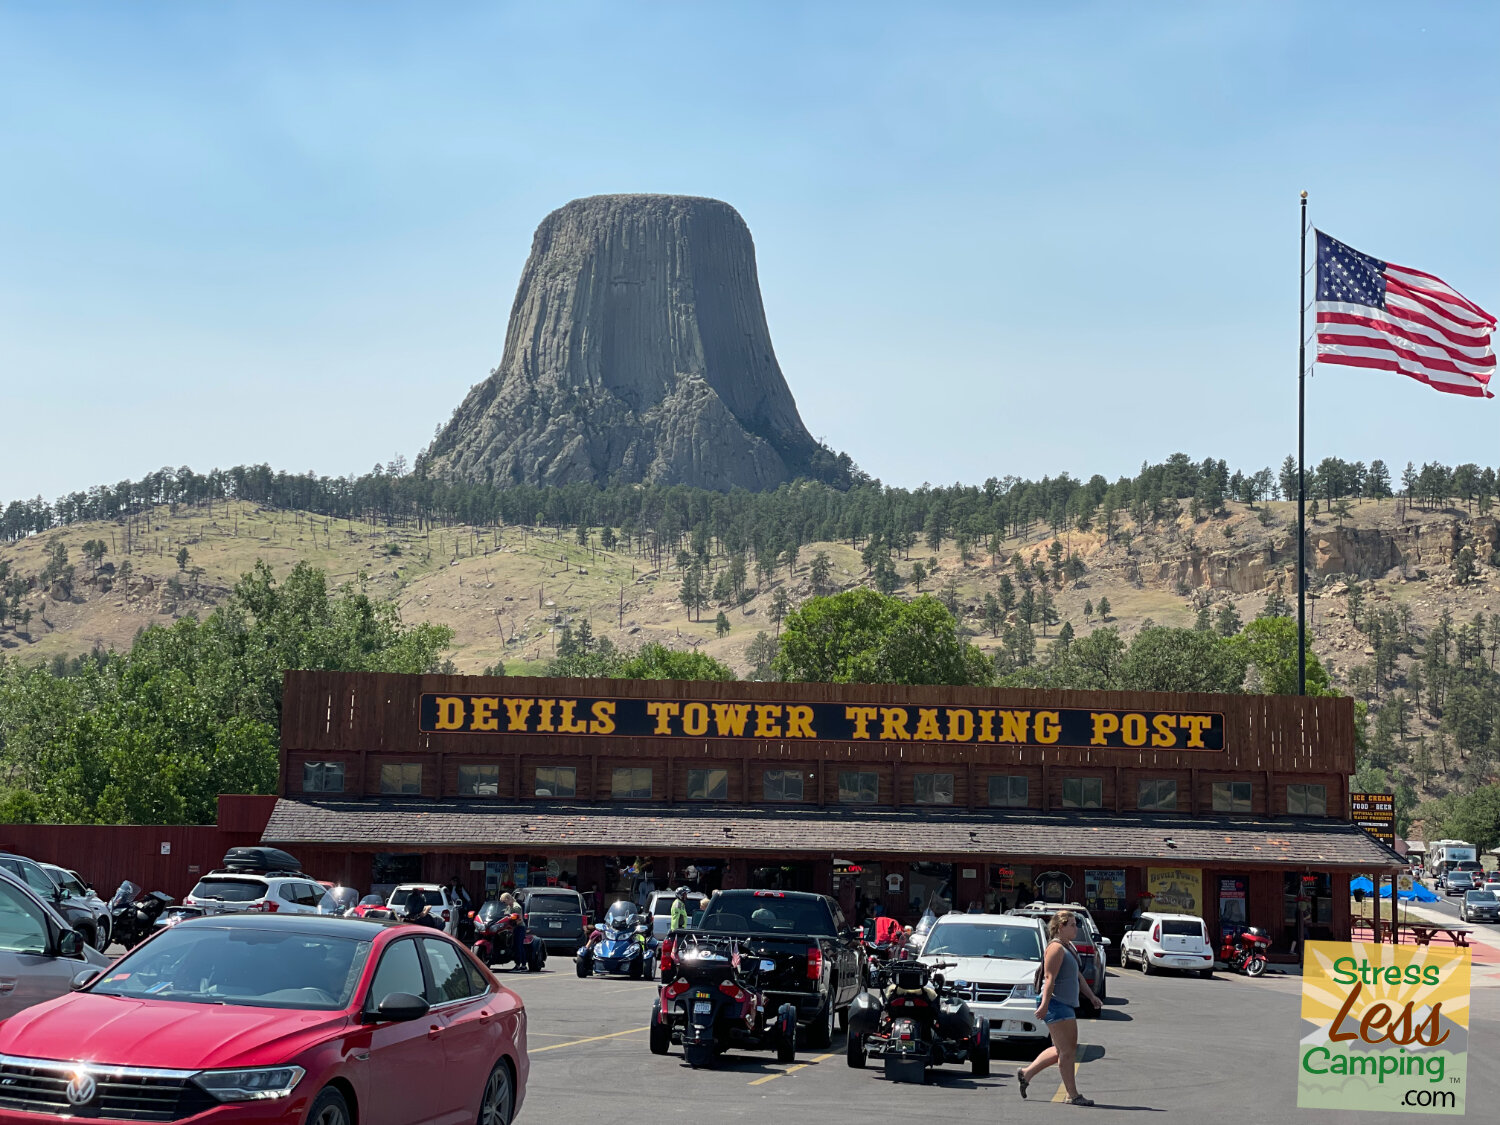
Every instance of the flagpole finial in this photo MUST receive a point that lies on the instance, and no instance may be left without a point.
(1304, 195)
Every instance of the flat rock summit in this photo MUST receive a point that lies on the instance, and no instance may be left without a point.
(637, 351)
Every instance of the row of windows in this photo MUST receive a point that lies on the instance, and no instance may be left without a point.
(856, 787)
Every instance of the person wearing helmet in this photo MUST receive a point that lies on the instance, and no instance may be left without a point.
(679, 909)
(417, 912)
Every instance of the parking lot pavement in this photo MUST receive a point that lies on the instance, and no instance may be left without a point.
(1178, 1048)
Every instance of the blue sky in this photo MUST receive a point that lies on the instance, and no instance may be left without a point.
(992, 238)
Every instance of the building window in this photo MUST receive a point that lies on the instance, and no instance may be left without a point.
(933, 788)
(858, 788)
(1083, 792)
(322, 777)
(1232, 796)
(403, 779)
(1307, 800)
(479, 781)
(556, 781)
(1009, 791)
(782, 785)
(631, 783)
(1156, 796)
(708, 785)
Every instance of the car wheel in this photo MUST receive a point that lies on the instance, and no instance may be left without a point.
(499, 1097)
(1146, 965)
(820, 1034)
(329, 1108)
(101, 934)
(661, 1031)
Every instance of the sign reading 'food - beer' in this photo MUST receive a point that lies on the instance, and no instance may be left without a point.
(822, 722)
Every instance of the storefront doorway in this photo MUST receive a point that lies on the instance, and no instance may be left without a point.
(929, 886)
(782, 877)
(1307, 910)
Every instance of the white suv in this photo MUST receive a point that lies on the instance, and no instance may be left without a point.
(439, 903)
(234, 892)
(1168, 941)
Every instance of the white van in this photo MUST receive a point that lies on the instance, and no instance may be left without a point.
(1168, 941)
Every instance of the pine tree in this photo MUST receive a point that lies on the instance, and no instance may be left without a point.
(584, 637)
(1227, 620)
(994, 617)
(1088, 609)
(819, 572)
(1007, 593)
(1103, 609)
(918, 575)
(721, 624)
(1204, 622)
(1288, 478)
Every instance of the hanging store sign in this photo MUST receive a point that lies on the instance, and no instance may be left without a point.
(1376, 814)
(1176, 890)
(1077, 727)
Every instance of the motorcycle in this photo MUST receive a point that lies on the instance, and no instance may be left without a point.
(1245, 951)
(878, 956)
(494, 940)
(716, 1002)
(915, 1022)
(341, 902)
(621, 944)
(133, 913)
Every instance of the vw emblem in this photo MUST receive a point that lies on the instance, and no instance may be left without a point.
(81, 1088)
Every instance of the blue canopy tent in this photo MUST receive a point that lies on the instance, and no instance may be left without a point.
(1416, 893)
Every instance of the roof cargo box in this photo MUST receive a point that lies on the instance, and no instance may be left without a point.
(260, 860)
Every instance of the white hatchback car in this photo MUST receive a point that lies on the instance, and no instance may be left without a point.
(1168, 941)
(994, 960)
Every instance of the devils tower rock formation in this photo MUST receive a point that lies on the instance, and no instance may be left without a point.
(637, 351)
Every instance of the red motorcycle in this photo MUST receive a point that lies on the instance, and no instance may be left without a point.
(1245, 951)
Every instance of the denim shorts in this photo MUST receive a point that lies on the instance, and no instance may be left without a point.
(1056, 1012)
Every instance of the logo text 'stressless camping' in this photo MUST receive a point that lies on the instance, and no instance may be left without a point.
(829, 722)
(1389, 1028)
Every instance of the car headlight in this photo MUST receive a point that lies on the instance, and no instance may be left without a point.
(258, 1084)
(1023, 992)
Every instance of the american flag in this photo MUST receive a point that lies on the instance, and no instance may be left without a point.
(1375, 314)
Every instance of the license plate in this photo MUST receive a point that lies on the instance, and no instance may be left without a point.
(700, 1007)
(554, 925)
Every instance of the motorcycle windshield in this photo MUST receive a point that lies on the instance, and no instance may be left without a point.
(490, 912)
(128, 892)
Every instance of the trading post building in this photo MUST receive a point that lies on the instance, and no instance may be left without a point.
(1232, 807)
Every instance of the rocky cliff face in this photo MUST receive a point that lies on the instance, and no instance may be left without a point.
(637, 351)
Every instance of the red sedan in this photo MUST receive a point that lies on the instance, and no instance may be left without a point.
(275, 1018)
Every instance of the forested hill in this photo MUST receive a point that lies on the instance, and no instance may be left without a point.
(1405, 607)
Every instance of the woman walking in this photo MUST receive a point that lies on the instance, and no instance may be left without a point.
(1058, 1006)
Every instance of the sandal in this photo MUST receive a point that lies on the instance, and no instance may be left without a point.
(1080, 1100)
(1022, 1081)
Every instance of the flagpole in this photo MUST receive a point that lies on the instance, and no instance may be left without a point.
(1301, 467)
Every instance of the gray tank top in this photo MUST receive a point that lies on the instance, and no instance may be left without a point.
(1065, 988)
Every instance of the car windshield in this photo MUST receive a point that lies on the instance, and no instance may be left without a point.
(260, 968)
(230, 890)
(1485, 897)
(767, 913)
(663, 905)
(1014, 943)
(1181, 928)
(433, 896)
(553, 904)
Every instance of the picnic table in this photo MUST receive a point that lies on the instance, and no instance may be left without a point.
(1422, 933)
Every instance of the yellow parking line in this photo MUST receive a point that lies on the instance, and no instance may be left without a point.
(1062, 1091)
(590, 1039)
(789, 1070)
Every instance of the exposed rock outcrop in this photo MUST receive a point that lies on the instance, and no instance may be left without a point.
(637, 351)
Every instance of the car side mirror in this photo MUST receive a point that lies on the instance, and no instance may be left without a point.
(1104, 940)
(402, 1007)
(70, 944)
(85, 978)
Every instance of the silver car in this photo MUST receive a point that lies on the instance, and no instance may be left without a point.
(39, 954)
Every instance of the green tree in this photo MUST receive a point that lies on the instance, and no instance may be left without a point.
(607, 538)
(861, 636)
(1227, 620)
(820, 571)
(886, 579)
(1204, 621)
(761, 653)
(182, 559)
(781, 607)
(1007, 590)
(1269, 645)
(1103, 608)
(721, 624)
(1356, 602)
(994, 617)
(1162, 659)
(918, 575)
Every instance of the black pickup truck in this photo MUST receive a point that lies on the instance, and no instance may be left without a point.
(815, 950)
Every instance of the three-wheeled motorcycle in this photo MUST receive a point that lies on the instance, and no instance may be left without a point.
(715, 1002)
(915, 1022)
(495, 939)
(620, 945)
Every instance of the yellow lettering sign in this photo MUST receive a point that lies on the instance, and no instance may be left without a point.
(695, 718)
(1048, 727)
(861, 717)
(729, 718)
(1105, 724)
(450, 712)
(566, 723)
(604, 717)
(768, 720)
(893, 724)
(516, 712)
(484, 714)
(799, 721)
(663, 713)
(927, 725)
(960, 724)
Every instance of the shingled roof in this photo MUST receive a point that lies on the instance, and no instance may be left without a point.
(780, 830)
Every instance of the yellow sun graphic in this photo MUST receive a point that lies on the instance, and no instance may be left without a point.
(1331, 969)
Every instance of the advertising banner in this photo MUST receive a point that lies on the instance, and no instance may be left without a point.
(1176, 890)
(1104, 889)
(1389, 1028)
(1376, 814)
